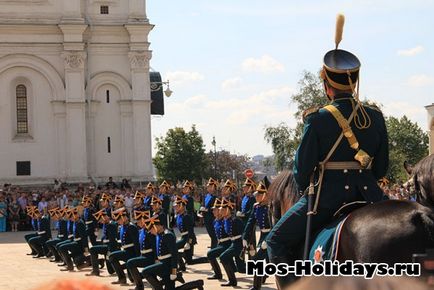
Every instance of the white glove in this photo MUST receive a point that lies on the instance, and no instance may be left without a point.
(264, 245)
(245, 244)
(173, 277)
(239, 214)
(202, 208)
(187, 247)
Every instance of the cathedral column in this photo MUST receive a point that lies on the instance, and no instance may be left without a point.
(74, 58)
(141, 113)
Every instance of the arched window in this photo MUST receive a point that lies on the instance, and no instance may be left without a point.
(22, 115)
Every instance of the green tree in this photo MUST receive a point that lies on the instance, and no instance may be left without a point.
(180, 155)
(407, 141)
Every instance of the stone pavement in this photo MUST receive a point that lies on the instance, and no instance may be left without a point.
(22, 272)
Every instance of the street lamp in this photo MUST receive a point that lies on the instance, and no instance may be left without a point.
(215, 156)
(156, 86)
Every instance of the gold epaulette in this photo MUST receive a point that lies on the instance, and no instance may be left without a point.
(373, 107)
(309, 112)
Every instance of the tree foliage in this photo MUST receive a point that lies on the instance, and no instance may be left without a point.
(407, 141)
(180, 155)
(222, 164)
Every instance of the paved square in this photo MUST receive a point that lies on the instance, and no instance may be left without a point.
(22, 272)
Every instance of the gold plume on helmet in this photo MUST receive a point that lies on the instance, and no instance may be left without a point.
(340, 21)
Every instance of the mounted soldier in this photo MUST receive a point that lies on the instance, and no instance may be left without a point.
(342, 154)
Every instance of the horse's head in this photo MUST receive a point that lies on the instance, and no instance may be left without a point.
(282, 193)
(421, 181)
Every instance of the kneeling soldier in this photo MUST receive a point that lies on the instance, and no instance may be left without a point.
(37, 243)
(75, 249)
(57, 215)
(234, 229)
(167, 257)
(223, 241)
(147, 250)
(107, 245)
(31, 213)
(184, 223)
(129, 239)
(259, 216)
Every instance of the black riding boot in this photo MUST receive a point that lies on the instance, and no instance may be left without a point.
(118, 269)
(216, 269)
(95, 265)
(181, 263)
(68, 262)
(137, 278)
(232, 280)
(257, 283)
(201, 260)
(156, 285)
(109, 267)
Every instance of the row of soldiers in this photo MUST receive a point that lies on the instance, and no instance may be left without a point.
(148, 240)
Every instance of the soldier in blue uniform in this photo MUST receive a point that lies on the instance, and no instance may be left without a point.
(187, 189)
(246, 210)
(347, 142)
(89, 219)
(138, 201)
(206, 210)
(229, 190)
(150, 191)
(68, 216)
(57, 215)
(234, 229)
(37, 243)
(129, 240)
(223, 241)
(185, 225)
(260, 216)
(108, 243)
(147, 250)
(104, 203)
(74, 250)
(157, 210)
(163, 194)
(167, 257)
(31, 213)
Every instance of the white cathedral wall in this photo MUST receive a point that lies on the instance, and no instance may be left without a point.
(38, 147)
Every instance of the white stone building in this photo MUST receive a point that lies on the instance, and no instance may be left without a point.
(74, 90)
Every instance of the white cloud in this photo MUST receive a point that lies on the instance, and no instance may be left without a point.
(264, 64)
(420, 80)
(414, 112)
(411, 51)
(232, 83)
(180, 77)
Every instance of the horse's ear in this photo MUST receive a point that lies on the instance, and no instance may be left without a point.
(266, 182)
(408, 167)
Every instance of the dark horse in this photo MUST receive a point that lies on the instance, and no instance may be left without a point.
(389, 231)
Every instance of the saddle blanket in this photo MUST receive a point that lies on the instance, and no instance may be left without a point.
(326, 243)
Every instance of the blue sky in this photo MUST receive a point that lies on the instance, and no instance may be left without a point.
(233, 64)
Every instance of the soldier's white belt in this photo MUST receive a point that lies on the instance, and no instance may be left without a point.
(105, 241)
(119, 241)
(89, 222)
(70, 236)
(127, 246)
(265, 230)
(236, 238)
(164, 257)
(41, 233)
(60, 236)
(224, 239)
(146, 251)
(184, 233)
(77, 239)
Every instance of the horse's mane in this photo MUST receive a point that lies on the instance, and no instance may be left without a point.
(424, 179)
(282, 192)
